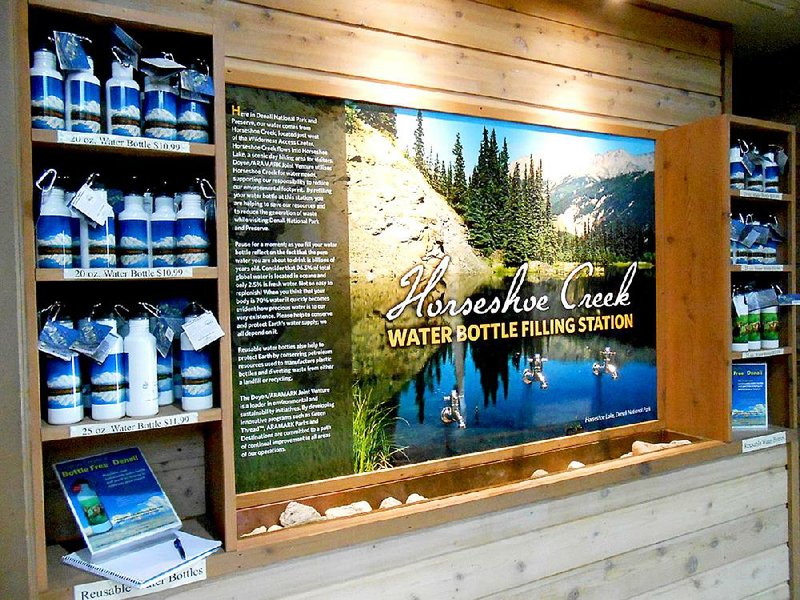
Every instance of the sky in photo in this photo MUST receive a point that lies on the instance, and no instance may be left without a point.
(562, 151)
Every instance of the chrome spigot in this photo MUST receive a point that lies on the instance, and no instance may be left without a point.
(452, 412)
(535, 371)
(607, 366)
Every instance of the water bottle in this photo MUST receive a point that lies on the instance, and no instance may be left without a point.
(47, 92)
(741, 325)
(165, 374)
(770, 328)
(162, 228)
(54, 230)
(737, 168)
(772, 173)
(75, 218)
(196, 373)
(755, 181)
(140, 350)
(132, 248)
(123, 111)
(192, 121)
(98, 242)
(82, 93)
(109, 388)
(63, 383)
(754, 328)
(192, 242)
(160, 109)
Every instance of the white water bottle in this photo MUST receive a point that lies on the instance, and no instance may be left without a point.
(53, 231)
(63, 385)
(140, 349)
(162, 228)
(82, 92)
(123, 110)
(132, 226)
(160, 109)
(108, 379)
(47, 92)
(192, 239)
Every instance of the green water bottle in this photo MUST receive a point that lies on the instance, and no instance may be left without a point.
(770, 328)
(741, 323)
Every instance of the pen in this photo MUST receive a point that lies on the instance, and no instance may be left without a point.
(179, 547)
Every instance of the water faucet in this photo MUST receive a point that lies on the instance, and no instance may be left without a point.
(608, 365)
(452, 412)
(535, 371)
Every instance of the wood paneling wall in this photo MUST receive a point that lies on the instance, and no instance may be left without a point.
(551, 62)
(717, 530)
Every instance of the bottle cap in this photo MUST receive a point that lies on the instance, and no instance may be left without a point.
(193, 310)
(135, 186)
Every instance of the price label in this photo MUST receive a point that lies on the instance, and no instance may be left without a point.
(763, 442)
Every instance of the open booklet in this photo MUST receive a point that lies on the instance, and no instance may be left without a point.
(131, 530)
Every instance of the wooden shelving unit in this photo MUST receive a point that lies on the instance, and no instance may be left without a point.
(190, 452)
(694, 186)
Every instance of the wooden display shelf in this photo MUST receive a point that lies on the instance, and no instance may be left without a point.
(127, 275)
(769, 196)
(749, 354)
(120, 145)
(51, 433)
(762, 269)
(692, 163)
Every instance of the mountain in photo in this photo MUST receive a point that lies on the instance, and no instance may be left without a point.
(617, 187)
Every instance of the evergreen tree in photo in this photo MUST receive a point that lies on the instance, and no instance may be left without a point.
(458, 193)
(419, 144)
(382, 118)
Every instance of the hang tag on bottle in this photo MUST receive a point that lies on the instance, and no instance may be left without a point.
(766, 297)
(202, 330)
(164, 335)
(93, 204)
(739, 305)
(737, 228)
(132, 48)
(94, 340)
(197, 82)
(751, 237)
(777, 232)
(55, 339)
(763, 234)
(749, 159)
(781, 158)
(69, 51)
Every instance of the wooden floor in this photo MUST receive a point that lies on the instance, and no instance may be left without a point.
(718, 530)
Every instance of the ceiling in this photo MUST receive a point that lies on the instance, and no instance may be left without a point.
(759, 26)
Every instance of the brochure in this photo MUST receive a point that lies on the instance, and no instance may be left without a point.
(749, 395)
(129, 525)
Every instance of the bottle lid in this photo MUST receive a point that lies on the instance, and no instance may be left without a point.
(44, 58)
(140, 312)
(121, 71)
(161, 188)
(134, 186)
(193, 310)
